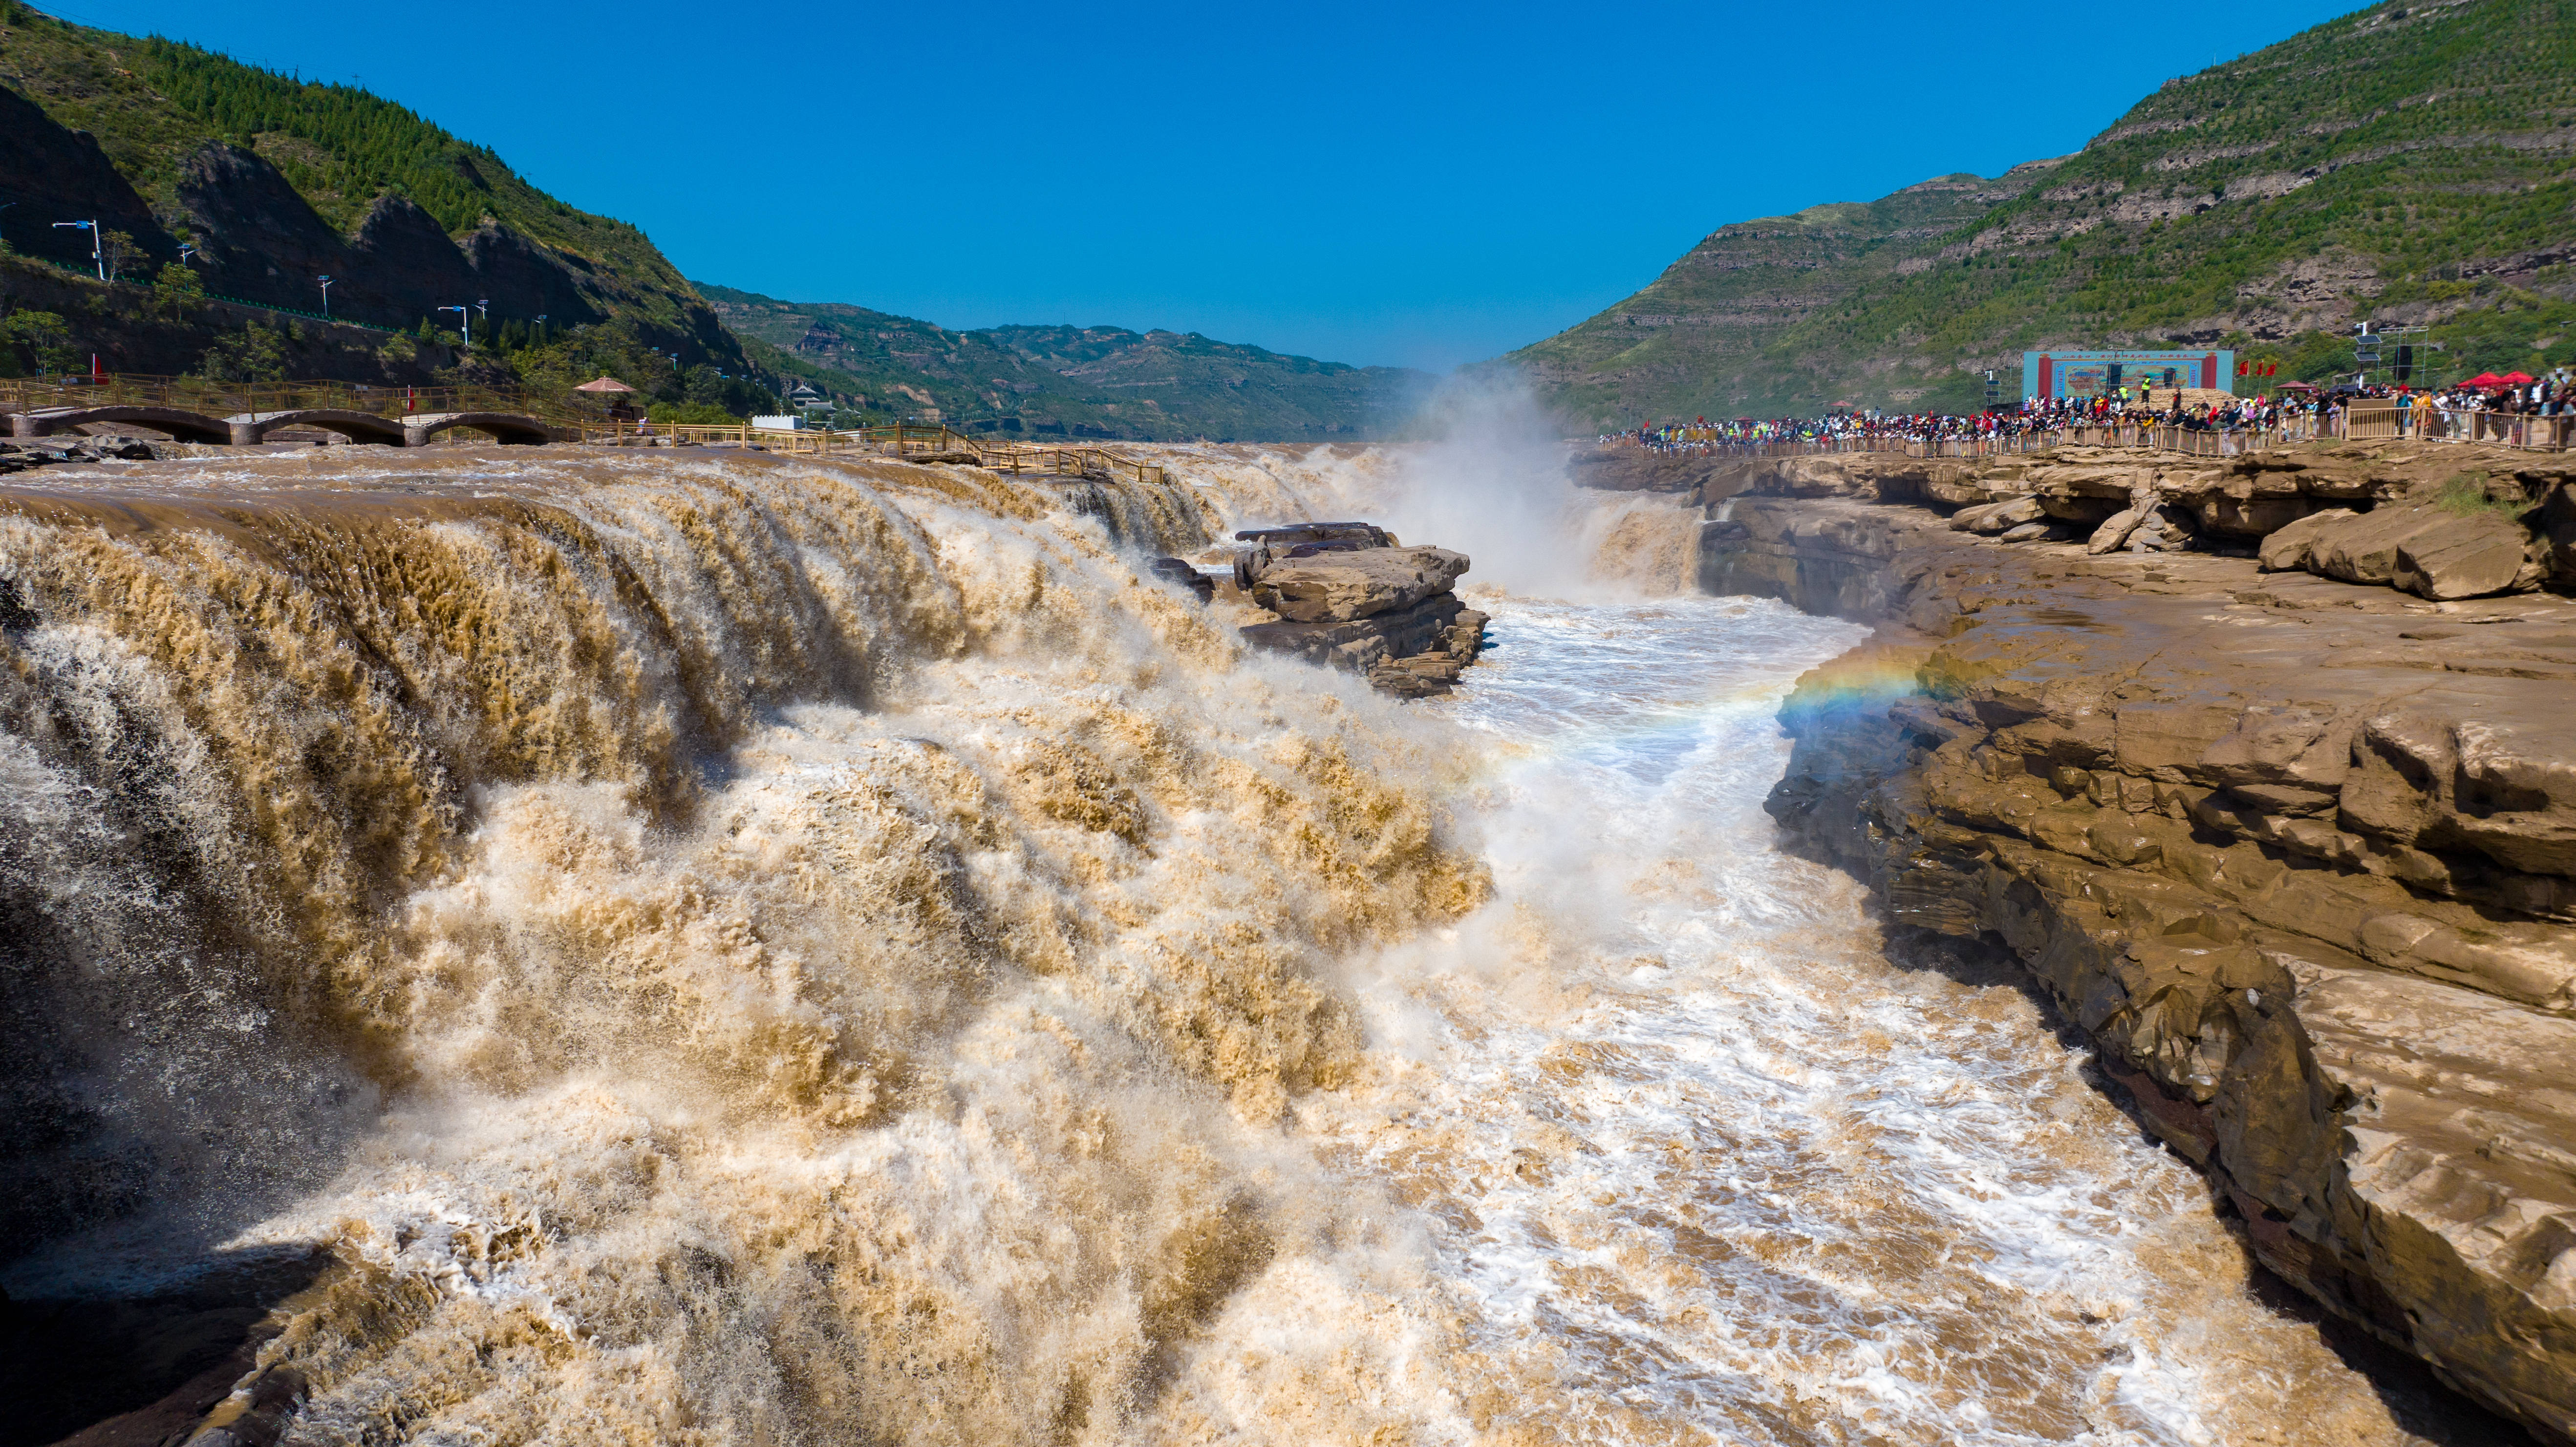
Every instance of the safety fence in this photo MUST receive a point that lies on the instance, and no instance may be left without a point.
(2526, 430)
(2201, 441)
(2361, 422)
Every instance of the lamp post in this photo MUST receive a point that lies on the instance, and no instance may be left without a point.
(463, 321)
(326, 296)
(95, 254)
(185, 252)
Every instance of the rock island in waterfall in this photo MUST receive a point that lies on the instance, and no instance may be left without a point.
(1954, 823)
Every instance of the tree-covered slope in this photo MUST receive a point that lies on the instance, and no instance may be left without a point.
(277, 181)
(2407, 163)
(1065, 380)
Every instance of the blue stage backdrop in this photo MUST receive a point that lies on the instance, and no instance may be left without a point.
(2091, 374)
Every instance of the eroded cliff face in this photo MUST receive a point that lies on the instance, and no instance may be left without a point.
(265, 242)
(2299, 854)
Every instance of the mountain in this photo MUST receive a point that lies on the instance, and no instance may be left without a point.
(277, 181)
(2403, 164)
(1066, 380)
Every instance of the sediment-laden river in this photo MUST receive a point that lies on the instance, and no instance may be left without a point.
(1699, 1159)
(764, 952)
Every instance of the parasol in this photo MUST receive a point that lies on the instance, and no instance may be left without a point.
(605, 383)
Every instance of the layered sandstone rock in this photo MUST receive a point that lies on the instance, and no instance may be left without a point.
(2299, 854)
(1330, 587)
(1351, 596)
(2473, 521)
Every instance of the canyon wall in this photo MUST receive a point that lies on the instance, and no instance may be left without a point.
(2292, 839)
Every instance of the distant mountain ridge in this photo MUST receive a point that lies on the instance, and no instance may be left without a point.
(2402, 164)
(1071, 381)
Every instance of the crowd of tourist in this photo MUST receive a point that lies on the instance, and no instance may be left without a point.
(2552, 395)
(2121, 408)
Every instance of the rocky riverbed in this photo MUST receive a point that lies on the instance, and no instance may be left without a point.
(2280, 819)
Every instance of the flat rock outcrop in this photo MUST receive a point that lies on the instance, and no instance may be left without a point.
(2469, 509)
(2298, 853)
(1328, 587)
(1352, 596)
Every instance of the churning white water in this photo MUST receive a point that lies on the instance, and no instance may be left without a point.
(1697, 1162)
(733, 950)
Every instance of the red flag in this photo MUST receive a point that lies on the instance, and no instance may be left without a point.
(2240, 369)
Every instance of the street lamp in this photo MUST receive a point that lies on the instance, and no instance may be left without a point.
(94, 253)
(326, 296)
(463, 321)
(187, 251)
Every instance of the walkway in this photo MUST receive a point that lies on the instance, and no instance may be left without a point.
(192, 409)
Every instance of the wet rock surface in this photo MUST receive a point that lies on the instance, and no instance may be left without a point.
(21, 456)
(2299, 854)
(1352, 596)
(174, 1364)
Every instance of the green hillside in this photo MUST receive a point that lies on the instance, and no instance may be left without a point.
(1064, 380)
(2402, 164)
(276, 180)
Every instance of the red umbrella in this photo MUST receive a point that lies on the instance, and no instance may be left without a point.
(2484, 379)
(2515, 379)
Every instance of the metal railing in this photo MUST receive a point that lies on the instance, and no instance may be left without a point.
(2526, 430)
(2199, 441)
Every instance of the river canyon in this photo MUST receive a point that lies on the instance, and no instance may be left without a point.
(562, 945)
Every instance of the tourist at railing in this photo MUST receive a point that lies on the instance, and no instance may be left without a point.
(2515, 409)
(2122, 418)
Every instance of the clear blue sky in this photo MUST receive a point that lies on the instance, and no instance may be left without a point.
(1389, 182)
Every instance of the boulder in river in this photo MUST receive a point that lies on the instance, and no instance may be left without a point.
(1351, 596)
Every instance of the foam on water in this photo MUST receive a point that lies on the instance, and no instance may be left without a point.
(720, 950)
(1699, 1163)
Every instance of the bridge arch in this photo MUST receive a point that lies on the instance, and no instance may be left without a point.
(179, 423)
(510, 428)
(251, 427)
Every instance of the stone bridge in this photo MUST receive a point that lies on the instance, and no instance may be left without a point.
(413, 429)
